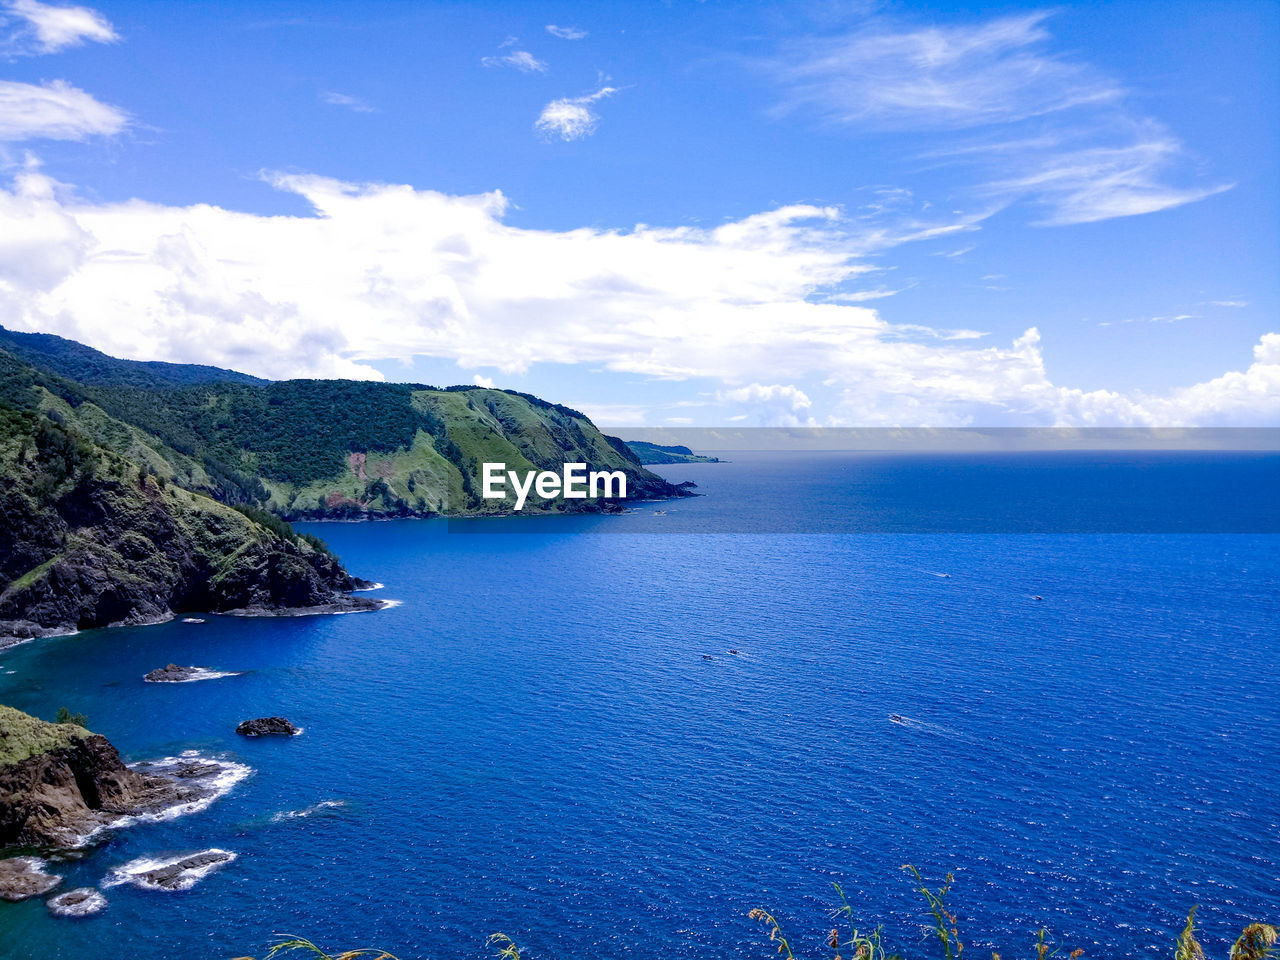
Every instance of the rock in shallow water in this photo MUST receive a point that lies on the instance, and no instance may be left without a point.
(267, 727)
(171, 674)
(80, 902)
(178, 873)
(23, 877)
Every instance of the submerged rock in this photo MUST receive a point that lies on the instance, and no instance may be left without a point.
(268, 727)
(80, 902)
(24, 877)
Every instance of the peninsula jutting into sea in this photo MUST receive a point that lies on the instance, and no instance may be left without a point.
(552, 480)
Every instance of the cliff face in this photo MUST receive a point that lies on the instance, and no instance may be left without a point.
(58, 782)
(90, 538)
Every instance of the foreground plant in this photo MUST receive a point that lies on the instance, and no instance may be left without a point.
(1257, 942)
(288, 944)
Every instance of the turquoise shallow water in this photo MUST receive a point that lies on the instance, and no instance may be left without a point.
(533, 742)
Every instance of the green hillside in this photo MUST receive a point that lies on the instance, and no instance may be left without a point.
(316, 449)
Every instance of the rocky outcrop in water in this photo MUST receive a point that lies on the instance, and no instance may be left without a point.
(172, 673)
(59, 783)
(267, 727)
(23, 877)
(80, 902)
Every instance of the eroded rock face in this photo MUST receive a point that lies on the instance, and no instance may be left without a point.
(24, 877)
(57, 798)
(267, 727)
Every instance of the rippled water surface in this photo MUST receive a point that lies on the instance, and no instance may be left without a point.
(548, 736)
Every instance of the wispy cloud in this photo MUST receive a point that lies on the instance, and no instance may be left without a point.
(521, 60)
(357, 104)
(54, 111)
(939, 77)
(572, 118)
(44, 28)
(566, 33)
(1084, 184)
(1039, 125)
(1229, 303)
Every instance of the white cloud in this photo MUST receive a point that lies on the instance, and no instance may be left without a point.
(346, 100)
(483, 381)
(571, 118)
(521, 60)
(939, 77)
(1041, 126)
(1094, 183)
(54, 111)
(47, 29)
(388, 271)
(773, 405)
(566, 33)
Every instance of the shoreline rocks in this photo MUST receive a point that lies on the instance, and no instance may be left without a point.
(268, 727)
(23, 877)
(68, 783)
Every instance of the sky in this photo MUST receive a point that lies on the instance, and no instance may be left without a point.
(666, 214)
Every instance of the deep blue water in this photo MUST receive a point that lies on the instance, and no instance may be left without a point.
(533, 742)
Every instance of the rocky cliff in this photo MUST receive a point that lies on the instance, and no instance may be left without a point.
(90, 537)
(59, 782)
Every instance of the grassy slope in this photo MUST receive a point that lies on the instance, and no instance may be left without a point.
(23, 736)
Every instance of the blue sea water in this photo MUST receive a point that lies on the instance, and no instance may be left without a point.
(533, 740)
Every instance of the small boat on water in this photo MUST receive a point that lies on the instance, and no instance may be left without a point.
(898, 718)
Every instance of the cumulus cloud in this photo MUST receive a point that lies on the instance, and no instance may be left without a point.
(521, 60)
(566, 33)
(572, 118)
(44, 28)
(382, 271)
(54, 111)
(773, 405)
(1040, 125)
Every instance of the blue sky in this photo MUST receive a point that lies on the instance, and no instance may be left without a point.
(451, 193)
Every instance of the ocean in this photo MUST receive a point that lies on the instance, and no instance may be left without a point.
(551, 735)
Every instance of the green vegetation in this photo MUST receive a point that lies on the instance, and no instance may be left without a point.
(1257, 941)
(301, 449)
(65, 715)
(86, 365)
(299, 944)
(658, 453)
(23, 736)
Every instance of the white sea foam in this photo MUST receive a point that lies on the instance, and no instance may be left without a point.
(80, 902)
(217, 783)
(371, 587)
(310, 811)
(389, 604)
(200, 673)
(192, 620)
(135, 871)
